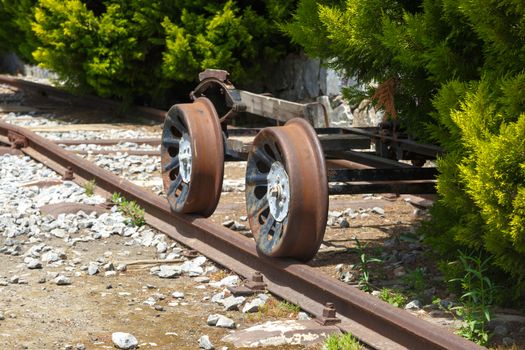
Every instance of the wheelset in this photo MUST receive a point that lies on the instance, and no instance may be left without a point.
(287, 181)
(287, 191)
(192, 157)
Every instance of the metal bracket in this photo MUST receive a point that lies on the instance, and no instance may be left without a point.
(68, 175)
(328, 318)
(17, 141)
(252, 286)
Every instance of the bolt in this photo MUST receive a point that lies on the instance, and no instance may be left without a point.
(275, 191)
(329, 310)
(108, 204)
(257, 277)
(239, 107)
(68, 175)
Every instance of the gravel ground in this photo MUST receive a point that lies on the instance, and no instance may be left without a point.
(72, 279)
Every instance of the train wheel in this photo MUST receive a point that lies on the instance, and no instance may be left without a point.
(192, 157)
(287, 191)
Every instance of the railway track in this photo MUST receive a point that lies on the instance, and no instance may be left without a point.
(373, 322)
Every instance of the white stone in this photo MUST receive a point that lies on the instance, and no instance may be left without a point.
(162, 247)
(212, 319)
(32, 263)
(413, 305)
(202, 279)
(303, 316)
(92, 268)
(150, 301)
(378, 210)
(263, 297)
(62, 280)
(232, 303)
(50, 257)
(225, 322)
(253, 306)
(205, 343)
(59, 232)
(178, 295)
(124, 340)
(109, 267)
(229, 281)
(334, 214)
(168, 271)
(122, 267)
(218, 298)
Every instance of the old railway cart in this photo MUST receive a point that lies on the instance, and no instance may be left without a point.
(292, 166)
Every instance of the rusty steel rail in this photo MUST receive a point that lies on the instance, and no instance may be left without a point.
(152, 141)
(374, 322)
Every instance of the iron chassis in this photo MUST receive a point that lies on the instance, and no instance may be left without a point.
(292, 166)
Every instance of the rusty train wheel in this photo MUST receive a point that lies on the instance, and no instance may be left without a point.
(287, 191)
(192, 157)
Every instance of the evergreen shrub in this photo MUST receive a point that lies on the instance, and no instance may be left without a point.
(124, 49)
(459, 76)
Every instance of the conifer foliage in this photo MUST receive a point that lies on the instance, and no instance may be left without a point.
(459, 69)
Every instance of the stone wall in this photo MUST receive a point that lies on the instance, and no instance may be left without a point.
(11, 64)
(297, 78)
(301, 79)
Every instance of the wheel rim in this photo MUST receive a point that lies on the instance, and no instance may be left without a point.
(287, 191)
(192, 157)
(278, 191)
(185, 157)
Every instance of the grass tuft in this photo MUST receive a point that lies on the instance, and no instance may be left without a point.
(342, 342)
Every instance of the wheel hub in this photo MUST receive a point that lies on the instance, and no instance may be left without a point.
(278, 193)
(185, 157)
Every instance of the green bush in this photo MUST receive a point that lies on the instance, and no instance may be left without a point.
(458, 73)
(113, 49)
(482, 180)
(15, 32)
(228, 36)
(125, 49)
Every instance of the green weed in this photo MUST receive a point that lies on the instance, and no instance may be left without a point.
(342, 342)
(416, 281)
(89, 187)
(478, 297)
(289, 307)
(392, 297)
(130, 209)
(363, 266)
